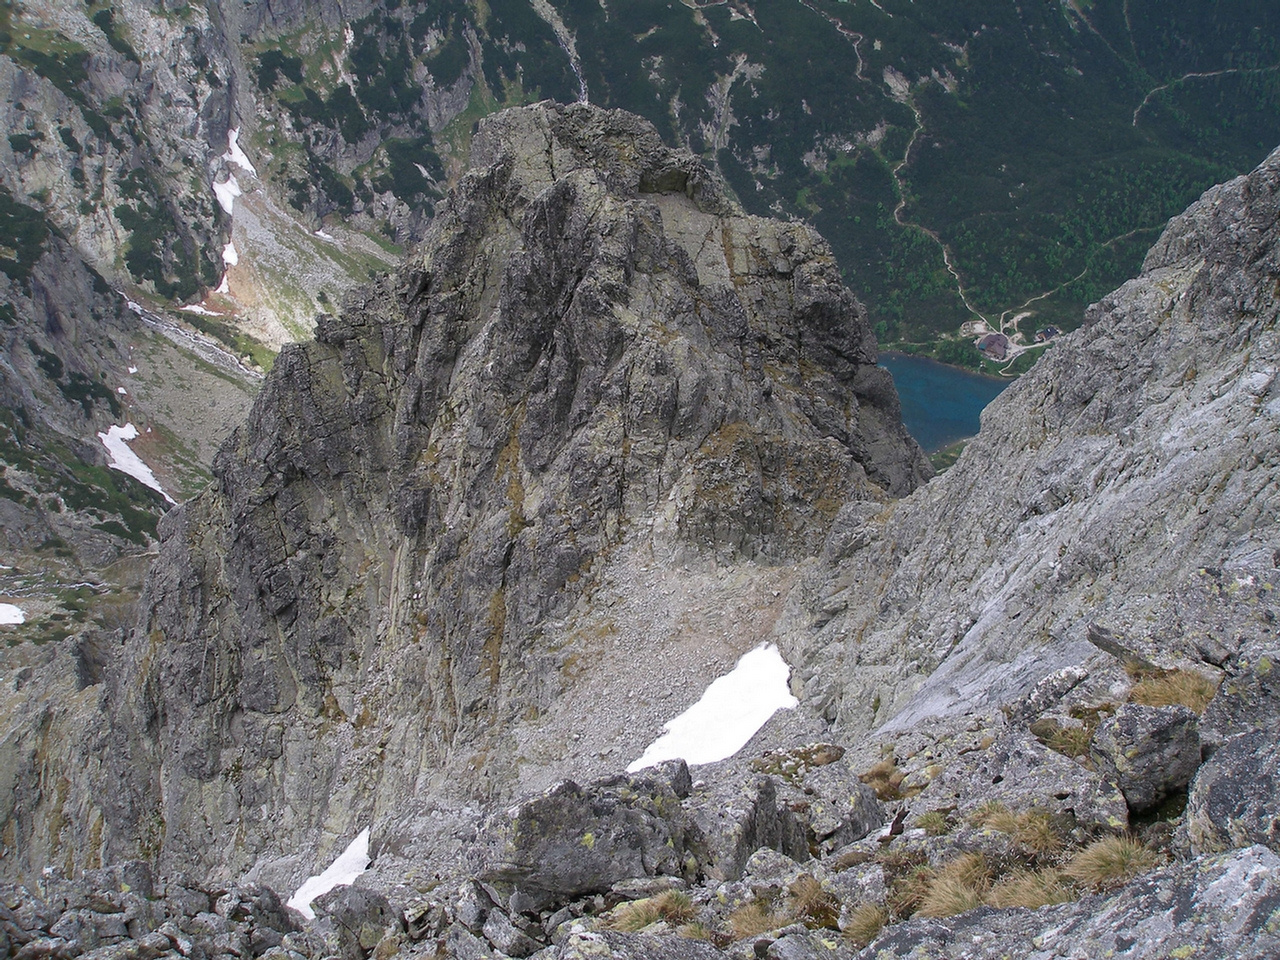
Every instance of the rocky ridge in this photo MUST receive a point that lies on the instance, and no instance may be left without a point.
(593, 357)
(982, 696)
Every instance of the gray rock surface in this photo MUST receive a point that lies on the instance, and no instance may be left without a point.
(1148, 752)
(420, 547)
(1022, 774)
(581, 946)
(1124, 481)
(592, 353)
(1215, 907)
(573, 841)
(737, 816)
(123, 913)
(1235, 798)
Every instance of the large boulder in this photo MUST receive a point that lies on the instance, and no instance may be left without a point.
(1148, 752)
(736, 818)
(574, 840)
(1022, 773)
(1235, 798)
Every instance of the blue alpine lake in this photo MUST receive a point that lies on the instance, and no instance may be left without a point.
(940, 403)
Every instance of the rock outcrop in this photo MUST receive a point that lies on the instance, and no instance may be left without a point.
(1126, 480)
(594, 355)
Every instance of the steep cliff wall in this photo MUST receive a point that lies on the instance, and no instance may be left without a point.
(593, 353)
(1134, 469)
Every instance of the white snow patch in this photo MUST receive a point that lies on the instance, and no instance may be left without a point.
(122, 391)
(227, 193)
(136, 308)
(11, 614)
(326, 236)
(196, 308)
(730, 712)
(116, 440)
(229, 255)
(235, 155)
(133, 369)
(423, 170)
(341, 873)
(225, 285)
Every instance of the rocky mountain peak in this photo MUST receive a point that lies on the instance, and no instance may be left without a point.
(594, 355)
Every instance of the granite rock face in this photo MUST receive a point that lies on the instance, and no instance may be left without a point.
(1216, 907)
(592, 349)
(1235, 798)
(572, 841)
(1125, 480)
(1148, 752)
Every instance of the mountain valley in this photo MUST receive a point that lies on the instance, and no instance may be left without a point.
(497, 436)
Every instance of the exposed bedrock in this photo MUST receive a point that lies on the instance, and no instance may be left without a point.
(594, 352)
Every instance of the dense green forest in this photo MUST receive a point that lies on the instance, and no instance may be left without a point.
(1039, 147)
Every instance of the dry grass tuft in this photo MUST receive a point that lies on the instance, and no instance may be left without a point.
(671, 906)
(948, 896)
(1070, 741)
(694, 931)
(1033, 828)
(812, 905)
(885, 779)
(1030, 889)
(933, 822)
(854, 858)
(633, 916)
(1036, 832)
(1186, 688)
(755, 918)
(865, 923)
(994, 814)
(675, 906)
(908, 890)
(970, 869)
(1109, 862)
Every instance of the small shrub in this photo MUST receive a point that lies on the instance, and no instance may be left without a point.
(1169, 688)
(865, 923)
(1109, 862)
(948, 896)
(813, 905)
(755, 918)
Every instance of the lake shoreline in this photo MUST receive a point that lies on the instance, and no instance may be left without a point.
(941, 403)
(902, 355)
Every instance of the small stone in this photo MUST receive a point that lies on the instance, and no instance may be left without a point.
(502, 933)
